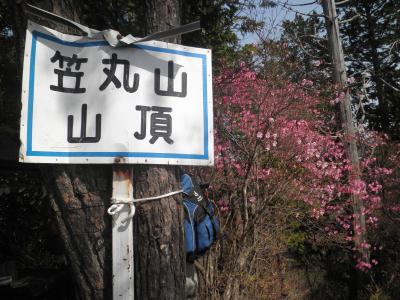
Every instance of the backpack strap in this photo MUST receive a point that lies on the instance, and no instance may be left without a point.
(195, 195)
(211, 214)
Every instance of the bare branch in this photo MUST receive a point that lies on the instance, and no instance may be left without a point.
(313, 36)
(389, 85)
(302, 4)
(287, 6)
(357, 15)
(305, 50)
(360, 103)
(393, 45)
(342, 2)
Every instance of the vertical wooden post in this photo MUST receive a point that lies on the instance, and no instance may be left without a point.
(122, 235)
(346, 116)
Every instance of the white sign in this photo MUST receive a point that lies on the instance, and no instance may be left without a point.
(84, 101)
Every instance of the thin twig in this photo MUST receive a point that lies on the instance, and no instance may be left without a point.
(303, 4)
(342, 2)
(357, 15)
(389, 85)
(285, 5)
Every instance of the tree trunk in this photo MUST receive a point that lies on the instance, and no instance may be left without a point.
(159, 256)
(162, 15)
(79, 195)
(377, 73)
(158, 237)
(346, 118)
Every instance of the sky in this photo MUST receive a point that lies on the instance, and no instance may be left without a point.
(274, 17)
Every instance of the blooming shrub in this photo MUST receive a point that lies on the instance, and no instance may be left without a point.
(271, 134)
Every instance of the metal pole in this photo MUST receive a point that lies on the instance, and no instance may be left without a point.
(122, 235)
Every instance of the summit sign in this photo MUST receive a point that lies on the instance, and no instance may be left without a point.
(84, 101)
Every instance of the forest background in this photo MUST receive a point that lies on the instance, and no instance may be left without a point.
(281, 178)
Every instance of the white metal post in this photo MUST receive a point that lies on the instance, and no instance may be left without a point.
(122, 235)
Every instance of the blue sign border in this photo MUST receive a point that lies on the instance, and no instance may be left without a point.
(30, 152)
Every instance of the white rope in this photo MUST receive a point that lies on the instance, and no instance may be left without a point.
(118, 204)
(150, 198)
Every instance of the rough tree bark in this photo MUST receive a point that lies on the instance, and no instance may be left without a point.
(159, 256)
(158, 237)
(78, 194)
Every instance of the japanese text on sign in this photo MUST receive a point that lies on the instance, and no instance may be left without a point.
(86, 102)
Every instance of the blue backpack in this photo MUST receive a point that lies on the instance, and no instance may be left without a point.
(201, 221)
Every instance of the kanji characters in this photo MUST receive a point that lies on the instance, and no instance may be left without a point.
(83, 138)
(70, 61)
(160, 117)
(110, 72)
(160, 123)
(170, 90)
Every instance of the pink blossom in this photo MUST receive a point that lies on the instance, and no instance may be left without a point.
(306, 82)
(252, 199)
(311, 158)
(317, 63)
(351, 80)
